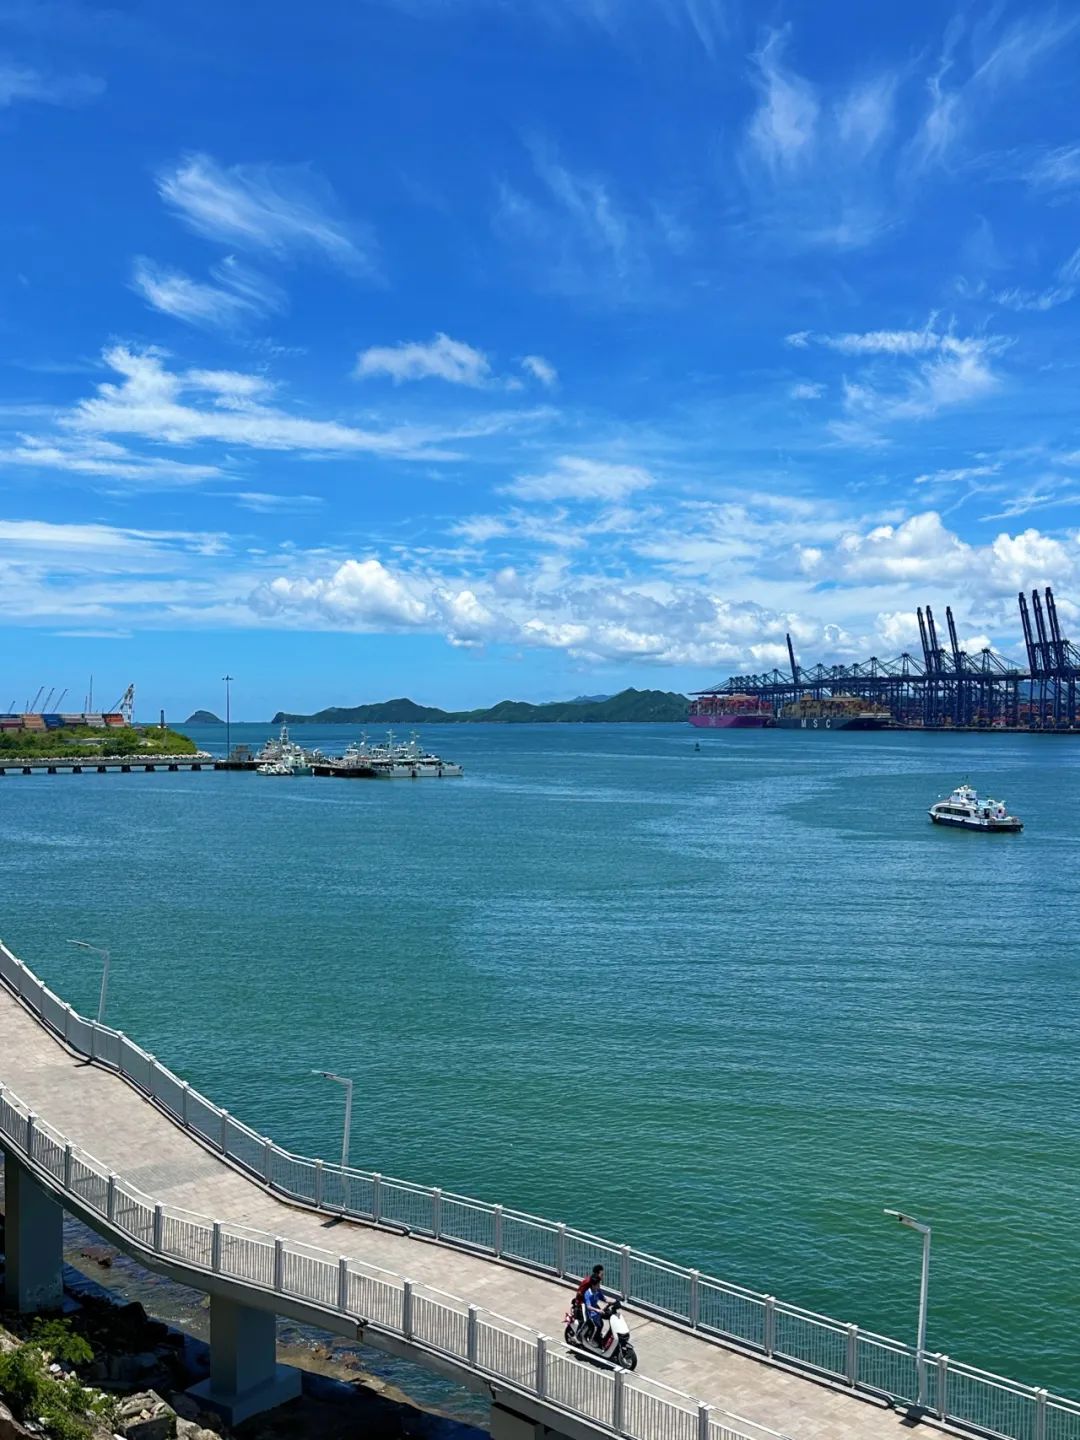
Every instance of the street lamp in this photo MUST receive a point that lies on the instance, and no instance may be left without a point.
(342, 1080)
(85, 945)
(920, 1345)
(228, 715)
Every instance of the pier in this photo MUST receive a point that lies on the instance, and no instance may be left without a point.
(92, 1124)
(946, 688)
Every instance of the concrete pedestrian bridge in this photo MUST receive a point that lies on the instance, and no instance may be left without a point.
(92, 1124)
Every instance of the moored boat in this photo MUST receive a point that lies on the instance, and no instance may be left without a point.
(964, 810)
(835, 712)
(712, 711)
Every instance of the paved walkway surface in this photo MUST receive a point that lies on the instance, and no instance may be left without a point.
(105, 1116)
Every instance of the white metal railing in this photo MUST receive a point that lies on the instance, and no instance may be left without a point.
(867, 1363)
(628, 1405)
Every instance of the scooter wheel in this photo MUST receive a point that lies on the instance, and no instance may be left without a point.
(570, 1335)
(629, 1357)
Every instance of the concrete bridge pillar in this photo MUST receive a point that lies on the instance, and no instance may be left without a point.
(508, 1425)
(34, 1242)
(245, 1378)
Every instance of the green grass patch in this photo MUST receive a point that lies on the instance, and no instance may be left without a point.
(77, 740)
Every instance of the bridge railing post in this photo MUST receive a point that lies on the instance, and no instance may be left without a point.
(279, 1264)
(110, 1198)
(406, 1309)
(68, 1012)
(1040, 1414)
(560, 1250)
(704, 1415)
(376, 1197)
(851, 1359)
(31, 1121)
(343, 1285)
(67, 1166)
(471, 1337)
(318, 1184)
(268, 1160)
(185, 1089)
(159, 1227)
(624, 1271)
(215, 1248)
(541, 1365)
(769, 1343)
(498, 1229)
(436, 1213)
(943, 1395)
(695, 1298)
(617, 1402)
(224, 1137)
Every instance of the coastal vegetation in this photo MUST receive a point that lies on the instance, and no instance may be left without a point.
(39, 1384)
(628, 706)
(78, 740)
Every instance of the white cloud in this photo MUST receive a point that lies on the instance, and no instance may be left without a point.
(1067, 280)
(438, 359)
(262, 503)
(23, 83)
(541, 369)
(278, 208)
(784, 126)
(362, 593)
(240, 295)
(952, 477)
(229, 408)
(575, 478)
(104, 459)
(806, 390)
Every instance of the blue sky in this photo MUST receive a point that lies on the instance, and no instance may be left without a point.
(481, 348)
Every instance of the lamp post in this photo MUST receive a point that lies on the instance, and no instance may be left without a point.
(97, 949)
(920, 1344)
(228, 715)
(342, 1080)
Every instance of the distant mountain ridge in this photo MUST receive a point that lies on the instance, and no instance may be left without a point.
(204, 717)
(627, 706)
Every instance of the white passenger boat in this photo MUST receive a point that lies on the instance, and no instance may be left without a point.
(283, 757)
(964, 810)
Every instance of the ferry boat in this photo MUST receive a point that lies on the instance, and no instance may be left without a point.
(712, 711)
(964, 810)
(837, 712)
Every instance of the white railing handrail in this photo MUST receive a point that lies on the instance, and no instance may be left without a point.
(718, 1310)
(46, 1150)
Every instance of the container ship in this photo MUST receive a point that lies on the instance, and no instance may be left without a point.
(730, 712)
(841, 712)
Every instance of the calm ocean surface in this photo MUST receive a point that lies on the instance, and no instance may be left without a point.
(723, 1005)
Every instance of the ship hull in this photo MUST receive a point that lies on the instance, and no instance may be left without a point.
(730, 722)
(830, 722)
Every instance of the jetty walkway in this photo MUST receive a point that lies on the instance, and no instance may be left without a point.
(92, 1124)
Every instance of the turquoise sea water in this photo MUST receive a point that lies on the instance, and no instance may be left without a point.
(724, 1005)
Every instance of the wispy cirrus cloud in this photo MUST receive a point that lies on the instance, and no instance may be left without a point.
(285, 210)
(103, 459)
(573, 477)
(22, 83)
(579, 237)
(237, 297)
(540, 369)
(978, 62)
(812, 160)
(1060, 292)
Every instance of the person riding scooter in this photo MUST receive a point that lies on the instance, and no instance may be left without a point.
(593, 1281)
(591, 1301)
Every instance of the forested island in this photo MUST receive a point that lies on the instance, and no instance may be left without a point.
(628, 706)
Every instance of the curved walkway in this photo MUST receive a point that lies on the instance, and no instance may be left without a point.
(104, 1115)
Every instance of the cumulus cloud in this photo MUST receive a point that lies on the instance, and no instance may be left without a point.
(439, 359)
(575, 478)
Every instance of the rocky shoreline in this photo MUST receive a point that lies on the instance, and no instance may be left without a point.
(144, 1366)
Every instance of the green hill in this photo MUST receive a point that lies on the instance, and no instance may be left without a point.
(628, 706)
(204, 717)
